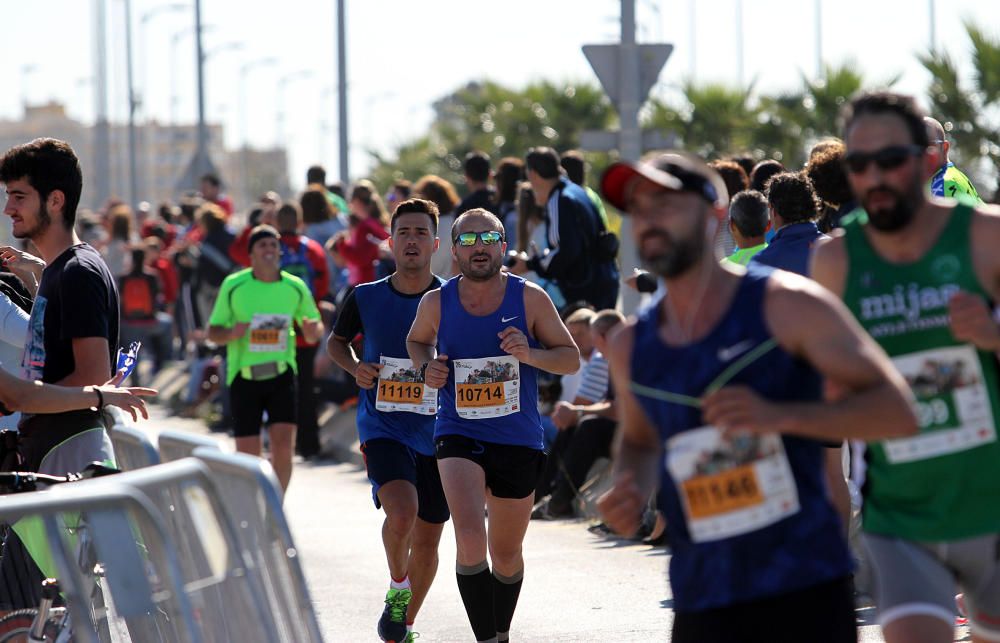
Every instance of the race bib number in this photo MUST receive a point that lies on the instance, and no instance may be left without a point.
(400, 388)
(952, 404)
(730, 484)
(269, 333)
(488, 387)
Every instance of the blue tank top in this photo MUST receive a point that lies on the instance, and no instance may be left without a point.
(496, 398)
(386, 317)
(749, 516)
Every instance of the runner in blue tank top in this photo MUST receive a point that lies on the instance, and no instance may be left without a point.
(721, 407)
(480, 339)
(396, 414)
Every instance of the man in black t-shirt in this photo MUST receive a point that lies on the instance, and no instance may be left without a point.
(73, 331)
(477, 178)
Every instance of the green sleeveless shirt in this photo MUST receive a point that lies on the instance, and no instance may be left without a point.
(944, 483)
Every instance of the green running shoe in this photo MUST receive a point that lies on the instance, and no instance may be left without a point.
(392, 624)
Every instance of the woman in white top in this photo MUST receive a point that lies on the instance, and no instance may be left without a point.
(13, 334)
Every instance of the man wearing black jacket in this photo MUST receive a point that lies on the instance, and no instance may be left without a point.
(576, 258)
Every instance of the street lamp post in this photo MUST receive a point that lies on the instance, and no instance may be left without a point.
(133, 179)
(245, 70)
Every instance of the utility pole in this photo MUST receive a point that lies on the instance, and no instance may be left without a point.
(133, 177)
(201, 163)
(345, 174)
(102, 131)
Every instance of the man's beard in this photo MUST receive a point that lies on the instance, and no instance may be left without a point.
(479, 273)
(679, 256)
(899, 215)
(41, 225)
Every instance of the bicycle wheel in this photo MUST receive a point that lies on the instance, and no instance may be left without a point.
(15, 627)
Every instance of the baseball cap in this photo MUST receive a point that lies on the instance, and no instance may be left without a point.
(673, 170)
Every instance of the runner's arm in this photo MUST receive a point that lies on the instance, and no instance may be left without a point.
(871, 399)
(338, 345)
(421, 341)
(35, 397)
(636, 449)
(559, 354)
(91, 362)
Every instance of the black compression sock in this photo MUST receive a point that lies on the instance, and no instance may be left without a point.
(506, 589)
(476, 588)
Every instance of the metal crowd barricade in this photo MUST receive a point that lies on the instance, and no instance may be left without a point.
(251, 497)
(133, 448)
(175, 445)
(111, 550)
(219, 577)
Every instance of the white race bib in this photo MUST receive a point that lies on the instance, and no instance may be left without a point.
(730, 484)
(952, 404)
(488, 387)
(269, 333)
(400, 388)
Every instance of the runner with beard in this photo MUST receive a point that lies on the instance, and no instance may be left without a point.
(921, 275)
(480, 340)
(721, 408)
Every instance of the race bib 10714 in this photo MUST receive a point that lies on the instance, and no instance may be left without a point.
(488, 387)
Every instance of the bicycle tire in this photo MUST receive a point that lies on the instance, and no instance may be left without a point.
(15, 627)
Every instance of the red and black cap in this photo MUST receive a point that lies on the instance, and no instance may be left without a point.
(672, 170)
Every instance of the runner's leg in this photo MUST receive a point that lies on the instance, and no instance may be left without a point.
(508, 525)
(282, 436)
(423, 563)
(399, 500)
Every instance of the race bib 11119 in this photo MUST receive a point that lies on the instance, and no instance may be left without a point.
(400, 388)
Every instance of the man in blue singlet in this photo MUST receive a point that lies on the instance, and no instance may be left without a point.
(481, 339)
(396, 414)
(721, 406)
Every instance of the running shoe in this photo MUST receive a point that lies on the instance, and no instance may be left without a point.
(411, 637)
(392, 624)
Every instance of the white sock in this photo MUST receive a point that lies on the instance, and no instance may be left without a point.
(403, 584)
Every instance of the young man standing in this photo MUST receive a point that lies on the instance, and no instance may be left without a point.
(920, 274)
(253, 316)
(396, 414)
(719, 392)
(480, 341)
(73, 331)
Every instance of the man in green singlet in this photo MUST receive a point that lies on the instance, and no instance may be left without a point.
(920, 274)
(748, 221)
(948, 181)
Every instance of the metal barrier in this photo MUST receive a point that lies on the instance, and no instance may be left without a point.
(220, 578)
(114, 558)
(175, 445)
(133, 448)
(251, 498)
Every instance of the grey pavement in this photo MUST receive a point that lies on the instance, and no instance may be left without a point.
(577, 587)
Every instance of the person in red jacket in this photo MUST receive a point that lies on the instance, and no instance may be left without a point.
(304, 258)
(358, 246)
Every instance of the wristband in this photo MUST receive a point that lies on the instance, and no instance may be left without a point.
(423, 372)
(100, 398)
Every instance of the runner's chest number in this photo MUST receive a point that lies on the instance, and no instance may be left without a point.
(400, 392)
(480, 394)
(735, 489)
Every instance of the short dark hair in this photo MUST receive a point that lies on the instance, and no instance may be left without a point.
(481, 212)
(732, 174)
(745, 161)
(575, 166)
(316, 174)
(47, 164)
(404, 187)
(416, 206)
(477, 166)
(762, 173)
(748, 212)
(509, 172)
(885, 102)
(544, 161)
(826, 171)
(212, 179)
(138, 255)
(288, 217)
(792, 197)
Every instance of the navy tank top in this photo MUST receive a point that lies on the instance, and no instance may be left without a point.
(489, 396)
(749, 516)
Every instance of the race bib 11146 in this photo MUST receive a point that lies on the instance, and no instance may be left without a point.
(488, 387)
(730, 484)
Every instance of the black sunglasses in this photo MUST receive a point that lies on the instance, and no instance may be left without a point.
(887, 158)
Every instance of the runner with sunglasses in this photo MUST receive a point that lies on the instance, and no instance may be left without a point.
(480, 340)
(719, 386)
(921, 275)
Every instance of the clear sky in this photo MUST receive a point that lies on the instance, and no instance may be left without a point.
(403, 55)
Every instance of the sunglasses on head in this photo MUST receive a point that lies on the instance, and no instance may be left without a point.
(468, 239)
(886, 158)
